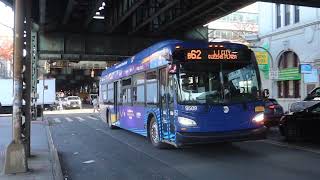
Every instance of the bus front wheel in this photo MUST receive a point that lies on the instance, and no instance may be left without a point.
(154, 135)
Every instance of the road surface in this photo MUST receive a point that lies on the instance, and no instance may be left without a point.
(89, 150)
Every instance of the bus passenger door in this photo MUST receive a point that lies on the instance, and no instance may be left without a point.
(166, 106)
(116, 100)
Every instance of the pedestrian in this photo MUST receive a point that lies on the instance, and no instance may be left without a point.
(60, 107)
(95, 105)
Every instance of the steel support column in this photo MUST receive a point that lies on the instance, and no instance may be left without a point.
(34, 70)
(16, 161)
(27, 79)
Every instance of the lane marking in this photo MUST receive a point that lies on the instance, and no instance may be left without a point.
(80, 119)
(88, 162)
(69, 119)
(57, 120)
(291, 146)
(90, 117)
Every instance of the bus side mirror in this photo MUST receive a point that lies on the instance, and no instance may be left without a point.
(266, 93)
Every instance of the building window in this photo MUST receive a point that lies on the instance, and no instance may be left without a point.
(278, 11)
(288, 88)
(286, 15)
(296, 14)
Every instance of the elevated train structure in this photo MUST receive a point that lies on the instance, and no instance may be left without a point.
(111, 30)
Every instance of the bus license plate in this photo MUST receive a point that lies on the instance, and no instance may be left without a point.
(259, 109)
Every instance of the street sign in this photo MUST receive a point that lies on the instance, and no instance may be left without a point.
(274, 74)
(305, 68)
(262, 58)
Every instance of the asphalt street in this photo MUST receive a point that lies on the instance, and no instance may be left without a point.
(89, 150)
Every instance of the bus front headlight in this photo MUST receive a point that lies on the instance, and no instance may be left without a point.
(186, 121)
(259, 118)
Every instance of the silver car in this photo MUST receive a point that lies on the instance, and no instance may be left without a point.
(73, 102)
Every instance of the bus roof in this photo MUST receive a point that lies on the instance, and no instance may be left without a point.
(143, 60)
(142, 54)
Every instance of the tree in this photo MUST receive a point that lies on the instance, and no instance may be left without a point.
(6, 49)
(6, 57)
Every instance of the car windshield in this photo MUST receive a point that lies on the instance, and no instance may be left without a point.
(314, 95)
(217, 83)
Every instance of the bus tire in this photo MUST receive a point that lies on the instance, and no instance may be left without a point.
(109, 121)
(153, 135)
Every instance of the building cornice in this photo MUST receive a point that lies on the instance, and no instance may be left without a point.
(289, 29)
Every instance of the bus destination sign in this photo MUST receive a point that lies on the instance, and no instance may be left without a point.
(215, 54)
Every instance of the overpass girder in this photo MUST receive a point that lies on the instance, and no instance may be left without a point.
(82, 47)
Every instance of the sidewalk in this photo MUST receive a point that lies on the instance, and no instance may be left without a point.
(40, 164)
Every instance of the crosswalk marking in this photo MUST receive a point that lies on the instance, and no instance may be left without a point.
(80, 119)
(69, 119)
(57, 120)
(92, 118)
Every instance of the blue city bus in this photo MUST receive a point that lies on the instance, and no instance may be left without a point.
(179, 93)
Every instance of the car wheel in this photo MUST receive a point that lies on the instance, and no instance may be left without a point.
(154, 135)
(292, 132)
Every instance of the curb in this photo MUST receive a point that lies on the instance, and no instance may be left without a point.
(56, 166)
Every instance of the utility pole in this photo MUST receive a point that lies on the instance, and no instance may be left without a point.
(15, 160)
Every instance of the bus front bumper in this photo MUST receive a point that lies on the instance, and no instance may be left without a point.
(185, 138)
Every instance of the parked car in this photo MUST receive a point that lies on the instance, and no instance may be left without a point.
(73, 102)
(303, 124)
(273, 112)
(60, 103)
(303, 120)
(314, 95)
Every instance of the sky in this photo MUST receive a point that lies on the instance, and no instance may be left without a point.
(7, 18)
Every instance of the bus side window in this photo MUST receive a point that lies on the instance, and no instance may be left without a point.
(110, 92)
(152, 87)
(171, 89)
(138, 89)
(123, 96)
(126, 91)
(119, 101)
(104, 92)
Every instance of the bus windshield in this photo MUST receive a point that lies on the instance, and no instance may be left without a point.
(207, 83)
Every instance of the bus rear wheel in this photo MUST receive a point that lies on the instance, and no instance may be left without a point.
(154, 135)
